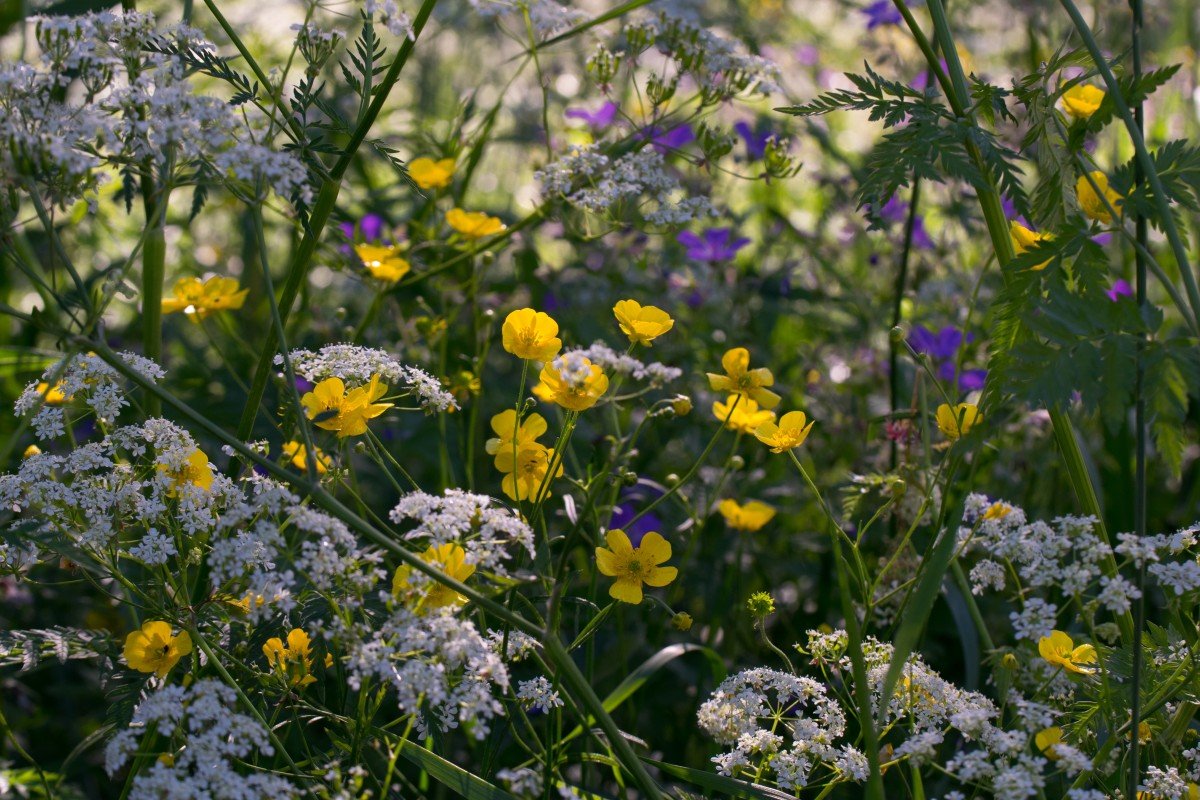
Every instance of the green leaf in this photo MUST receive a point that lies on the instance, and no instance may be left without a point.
(719, 783)
(464, 784)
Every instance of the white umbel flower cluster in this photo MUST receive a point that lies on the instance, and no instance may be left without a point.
(355, 365)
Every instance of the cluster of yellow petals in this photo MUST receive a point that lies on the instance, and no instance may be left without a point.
(634, 566)
(574, 393)
(196, 471)
(331, 407)
(451, 560)
(749, 517)
(1059, 649)
(292, 660)
(519, 457)
(1082, 100)
(296, 455)
(383, 262)
(52, 395)
(153, 648)
(531, 335)
(741, 414)
(430, 174)
(642, 324)
(957, 421)
(1024, 239)
(740, 379)
(789, 433)
(473, 224)
(1090, 201)
(198, 299)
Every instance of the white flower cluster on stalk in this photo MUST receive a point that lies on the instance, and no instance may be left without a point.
(108, 89)
(205, 745)
(355, 365)
(83, 377)
(485, 531)
(612, 361)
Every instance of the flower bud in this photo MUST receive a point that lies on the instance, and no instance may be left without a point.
(682, 621)
(737, 462)
(681, 404)
(671, 480)
(760, 604)
(31, 451)
(1009, 661)
(898, 334)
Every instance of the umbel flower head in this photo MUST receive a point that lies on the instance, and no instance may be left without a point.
(154, 649)
(957, 421)
(532, 335)
(749, 517)
(572, 381)
(642, 324)
(1090, 202)
(199, 299)
(634, 566)
(293, 661)
(473, 224)
(1024, 239)
(746, 416)
(789, 433)
(1059, 649)
(430, 174)
(740, 379)
(450, 559)
(382, 262)
(333, 408)
(1082, 100)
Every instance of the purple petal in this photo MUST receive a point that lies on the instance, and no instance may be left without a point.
(1120, 288)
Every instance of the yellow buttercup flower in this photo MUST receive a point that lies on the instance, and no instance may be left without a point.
(957, 422)
(296, 453)
(199, 299)
(294, 660)
(790, 432)
(1082, 100)
(1059, 649)
(31, 451)
(154, 649)
(573, 382)
(642, 324)
(749, 517)
(473, 224)
(384, 263)
(1089, 200)
(430, 174)
(196, 471)
(998, 510)
(244, 603)
(746, 416)
(54, 395)
(740, 379)
(332, 408)
(531, 335)
(525, 471)
(1024, 239)
(633, 566)
(1046, 739)
(507, 430)
(450, 559)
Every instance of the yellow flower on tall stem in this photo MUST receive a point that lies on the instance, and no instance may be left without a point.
(634, 566)
(750, 517)
(383, 262)
(296, 454)
(573, 382)
(508, 431)
(430, 174)
(642, 324)
(1059, 649)
(1024, 239)
(1082, 100)
(473, 224)
(450, 559)
(198, 299)
(740, 379)
(1046, 739)
(333, 408)
(531, 335)
(154, 649)
(790, 432)
(957, 421)
(292, 660)
(746, 416)
(1089, 200)
(525, 471)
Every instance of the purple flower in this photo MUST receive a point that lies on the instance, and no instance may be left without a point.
(303, 385)
(673, 139)
(1120, 289)
(1103, 239)
(631, 500)
(714, 247)
(882, 12)
(1010, 210)
(808, 55)
(920, 237)
(756, 141)
(596, 120)
(972, 379)
(940, 346)
(894, 210)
